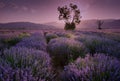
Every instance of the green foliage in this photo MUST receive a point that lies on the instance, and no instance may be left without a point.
(50, 36)
(23, 34)
(8, 42)
(64, 34)
(11, 41)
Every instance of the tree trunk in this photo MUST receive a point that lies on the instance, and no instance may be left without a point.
(70, 26)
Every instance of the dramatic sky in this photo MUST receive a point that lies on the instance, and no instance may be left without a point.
(41, 11)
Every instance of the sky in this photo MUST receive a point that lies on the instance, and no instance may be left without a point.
(43, 11)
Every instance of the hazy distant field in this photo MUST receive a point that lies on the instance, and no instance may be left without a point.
(13, 32)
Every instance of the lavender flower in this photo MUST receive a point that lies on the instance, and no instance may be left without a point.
(96, 44)
(96, 68)
(9, 74)
(21, 58)
(63, 50)
(35, 41)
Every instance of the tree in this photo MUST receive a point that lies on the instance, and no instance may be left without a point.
(100, 23)
(70, 15)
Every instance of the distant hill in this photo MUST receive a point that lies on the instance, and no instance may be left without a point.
(24, 25)
(113, 24)
(56, 24)
(108, 23)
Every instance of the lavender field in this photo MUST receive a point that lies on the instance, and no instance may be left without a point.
(59, 55)
(59, 40)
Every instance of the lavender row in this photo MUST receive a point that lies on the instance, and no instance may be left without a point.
(96, 68)
(96, 44)
(23, 64)
(63, 50)
(35, 41)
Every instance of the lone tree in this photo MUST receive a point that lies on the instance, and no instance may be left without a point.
(70, 15)
(100, 23)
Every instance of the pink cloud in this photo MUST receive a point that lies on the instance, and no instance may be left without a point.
(24, 8)
(33, 10)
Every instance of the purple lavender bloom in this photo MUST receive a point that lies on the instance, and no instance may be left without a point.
(64, 50)
(96, 44)
(35, 41)
(9, 74)
(20, 58)
(96, 68)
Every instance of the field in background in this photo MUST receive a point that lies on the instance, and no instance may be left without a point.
(12, 33)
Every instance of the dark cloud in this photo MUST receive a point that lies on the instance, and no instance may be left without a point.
(2, 5)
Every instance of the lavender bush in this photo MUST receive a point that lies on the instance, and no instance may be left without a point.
(2, 46)
(96, 44)
(9, 74)
(8, 42)
(35, 41)
(21, 58)
(63, 50)
(64, 34)
(23, 34)
(50, 36)
(96, 68)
